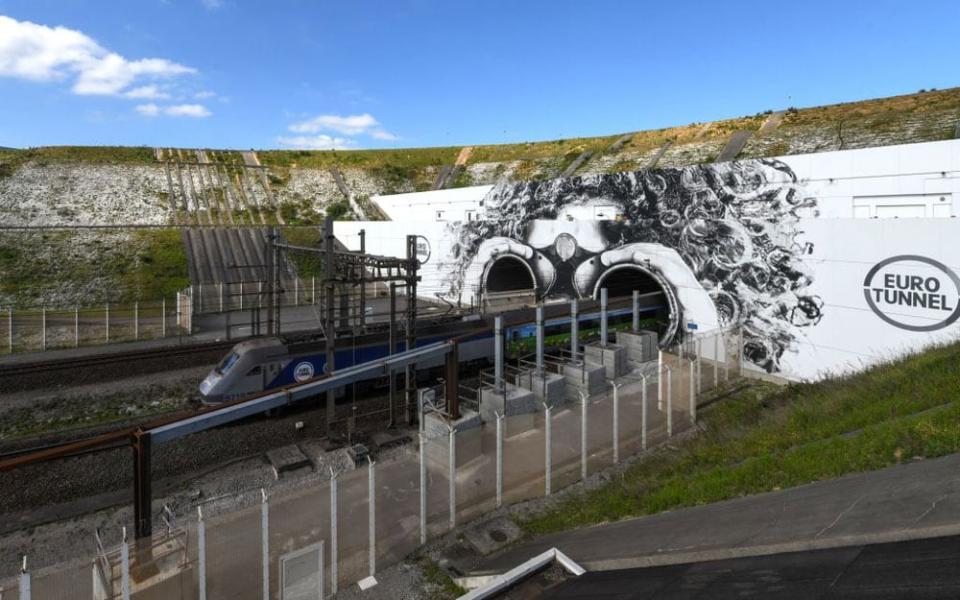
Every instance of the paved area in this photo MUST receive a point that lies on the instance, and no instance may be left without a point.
(917, 569)
(911, 501)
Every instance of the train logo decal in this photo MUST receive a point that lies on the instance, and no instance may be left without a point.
(303, 371)
(912, 292)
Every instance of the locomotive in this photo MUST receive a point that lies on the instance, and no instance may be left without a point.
(265, 363)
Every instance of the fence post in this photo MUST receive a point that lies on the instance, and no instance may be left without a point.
(693, 392)
(10, 329)
(616, 422)
(423, 488)
(296, 291)
(201, 555)
(43, 328)
(125, 567)
(220, 291)
(583, 436)
(241, 298)
(107, 318)
(163, 317)
(669, 400)
(643, 413)
(548, 455)
(499, 458)
(452, 476)
(574, 330)
(699, 365)
(136, 320)
(660, 380)
(372, 514)
(24, 580)
(76, 326)
(313, 289)
(333, 531)
(716, 359)
(636, 311)
(265, 542)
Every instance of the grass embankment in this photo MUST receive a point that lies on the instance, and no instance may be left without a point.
(62, 268)
(98, 155)
(395, 168)
(767, 438)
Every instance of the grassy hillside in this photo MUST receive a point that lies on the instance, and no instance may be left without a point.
(80, 185)
(924, 116)
(766, 438)
(89, 267)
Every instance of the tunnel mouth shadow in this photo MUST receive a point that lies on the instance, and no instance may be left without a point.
(509, 274)
(622, 280)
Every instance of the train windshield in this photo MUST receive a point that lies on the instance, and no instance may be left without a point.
(228, 363)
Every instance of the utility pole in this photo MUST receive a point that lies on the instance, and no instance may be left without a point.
(392, 347)
(329, 328)
(412, 277)
(270, 283)
(363, 285)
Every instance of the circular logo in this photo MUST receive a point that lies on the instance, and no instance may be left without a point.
(423, 249)
(303, 371)
(911, 292)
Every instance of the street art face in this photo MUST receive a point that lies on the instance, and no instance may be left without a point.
(733, 225)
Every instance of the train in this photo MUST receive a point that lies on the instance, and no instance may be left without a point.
(262, 364)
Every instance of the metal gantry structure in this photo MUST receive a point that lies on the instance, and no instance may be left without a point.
(342, 270)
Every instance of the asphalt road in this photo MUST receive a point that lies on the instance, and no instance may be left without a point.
(918, 569)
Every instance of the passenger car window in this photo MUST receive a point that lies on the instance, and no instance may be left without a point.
(228, 363)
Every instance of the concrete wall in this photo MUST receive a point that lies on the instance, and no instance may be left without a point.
(793, 247)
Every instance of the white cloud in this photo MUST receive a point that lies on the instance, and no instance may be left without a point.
(205, 95)
(348, 125)
(40, 53)
(345, 125)
(316, 142)
(380, 134)
(212, 4)
(146, 92)
(176, 110)
(187, 110)
(148, 110)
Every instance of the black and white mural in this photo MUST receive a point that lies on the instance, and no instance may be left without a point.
(721, 240)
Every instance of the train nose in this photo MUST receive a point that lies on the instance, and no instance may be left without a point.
(208, 384)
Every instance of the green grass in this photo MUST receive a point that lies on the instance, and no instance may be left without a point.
(307, 264)
(438, 585)
(47, 267)
(562, 340)
(766, 438)
(160, 266)
(101, 155)
(403, 158)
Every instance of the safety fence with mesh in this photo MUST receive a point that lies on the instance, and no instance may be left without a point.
(310, 541)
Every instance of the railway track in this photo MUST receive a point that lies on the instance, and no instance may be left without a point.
(64, 372)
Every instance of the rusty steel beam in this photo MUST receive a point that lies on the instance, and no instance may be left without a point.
(65, 450)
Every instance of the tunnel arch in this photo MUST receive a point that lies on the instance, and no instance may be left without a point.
(622, 280)
(509, 273)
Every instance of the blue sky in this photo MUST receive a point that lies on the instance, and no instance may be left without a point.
(356, 73)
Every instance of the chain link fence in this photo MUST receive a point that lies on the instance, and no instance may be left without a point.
(347, 525)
